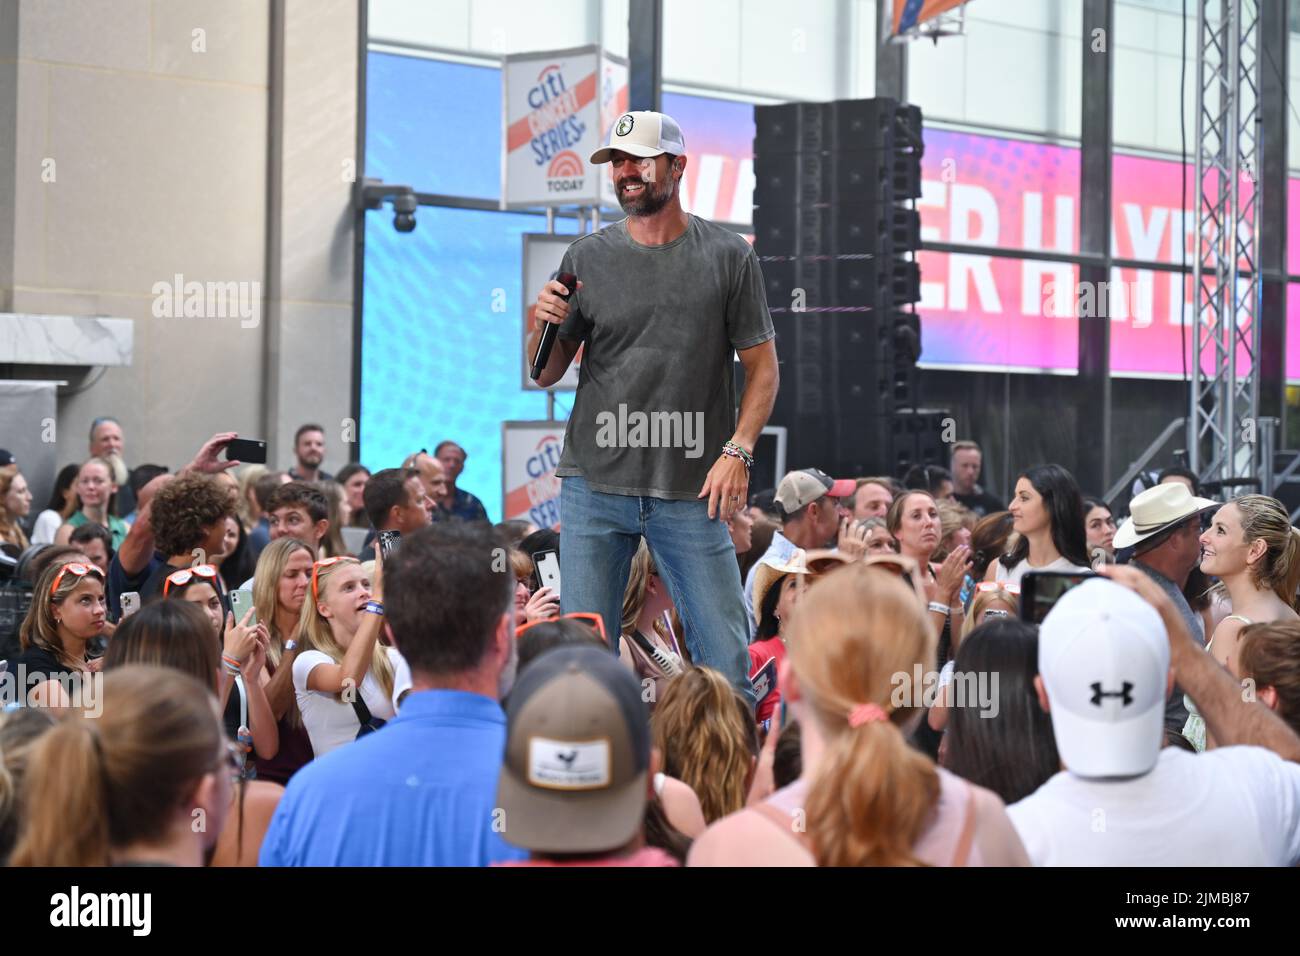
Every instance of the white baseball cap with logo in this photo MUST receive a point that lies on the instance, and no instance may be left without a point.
(643, 134)
(1103, 655)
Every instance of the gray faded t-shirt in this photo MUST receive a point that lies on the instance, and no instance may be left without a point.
(656, 392)
(1175, 709)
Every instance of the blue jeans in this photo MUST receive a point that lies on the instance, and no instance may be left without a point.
(694, 556)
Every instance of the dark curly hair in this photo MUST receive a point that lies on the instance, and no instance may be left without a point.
(184, 511)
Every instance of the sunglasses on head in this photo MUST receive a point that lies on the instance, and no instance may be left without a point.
(325, 563)
(185, 575)
(595, 620)
(77, 568)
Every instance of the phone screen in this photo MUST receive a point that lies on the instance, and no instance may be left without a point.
(388, 542)
(1040, 590)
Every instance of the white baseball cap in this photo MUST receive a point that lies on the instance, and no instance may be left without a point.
(1104, 658)
(644, 134)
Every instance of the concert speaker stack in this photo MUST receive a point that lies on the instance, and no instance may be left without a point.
(836, 237)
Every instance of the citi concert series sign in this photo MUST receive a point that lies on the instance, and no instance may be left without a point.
(530, 489)
(557, 108)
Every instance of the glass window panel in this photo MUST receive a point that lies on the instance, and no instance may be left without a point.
(438, 361)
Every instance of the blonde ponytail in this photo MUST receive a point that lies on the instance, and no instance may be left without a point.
(1279, 570)
(870, 799)
(1290, 571)
(97, 784)
(65, 807)
(854, 636)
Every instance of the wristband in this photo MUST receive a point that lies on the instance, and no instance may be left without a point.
(938, 608)
(290, 646)
(375, 607)
(732, 450)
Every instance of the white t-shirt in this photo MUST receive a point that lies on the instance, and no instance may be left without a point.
(331, 722)
(1013, 575)
(401, 676)
(47, 526)
(1235, 806)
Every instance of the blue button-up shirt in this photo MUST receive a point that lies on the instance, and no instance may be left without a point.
(420, 791)
(465, 506)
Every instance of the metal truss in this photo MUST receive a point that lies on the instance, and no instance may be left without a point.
(1226, 284)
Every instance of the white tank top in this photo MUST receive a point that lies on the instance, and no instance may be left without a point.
(1013, 575)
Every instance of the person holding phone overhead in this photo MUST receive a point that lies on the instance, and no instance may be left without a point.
(343, 677)
(1047, 512)
(663, 302)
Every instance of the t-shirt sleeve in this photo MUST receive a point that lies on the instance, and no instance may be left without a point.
(273, 852)
(749, 322)
(1276, 783)
(304, 664)
(1032, 834)
(401, 676)
(576, 325)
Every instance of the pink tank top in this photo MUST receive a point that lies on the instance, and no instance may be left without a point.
(949, 840)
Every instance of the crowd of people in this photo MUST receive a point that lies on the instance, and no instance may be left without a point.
(233, 665)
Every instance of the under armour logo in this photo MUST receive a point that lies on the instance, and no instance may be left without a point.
(1126, 693)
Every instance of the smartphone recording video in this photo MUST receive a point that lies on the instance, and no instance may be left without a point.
(1040, 590)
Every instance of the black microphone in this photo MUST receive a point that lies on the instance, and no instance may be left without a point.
(570, 282)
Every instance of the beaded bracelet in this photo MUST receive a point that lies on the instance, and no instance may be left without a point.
(732, 450)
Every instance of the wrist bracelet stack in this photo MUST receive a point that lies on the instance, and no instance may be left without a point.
(231, 665)
(732, 450)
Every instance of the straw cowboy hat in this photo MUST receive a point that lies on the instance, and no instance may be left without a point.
(770, 571)
(1158, 509)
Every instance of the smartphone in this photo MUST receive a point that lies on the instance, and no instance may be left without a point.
(1040, 590)
(130, 603)
(249, 451)
(241, 602)
(388, 542)
(547, 566)
(763, 682)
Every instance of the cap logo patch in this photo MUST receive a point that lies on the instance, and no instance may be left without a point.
(624, 125)
(568, 764)
(1126, 693)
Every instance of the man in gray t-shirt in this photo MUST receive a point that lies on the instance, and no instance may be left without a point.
(653, 447)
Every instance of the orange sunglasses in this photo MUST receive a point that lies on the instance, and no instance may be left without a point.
(185, 575)
(326, 563)
(77, 568)
(595, 620)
